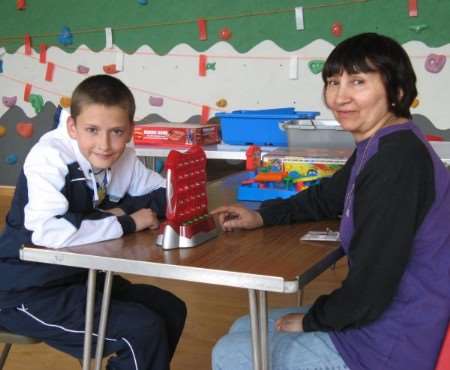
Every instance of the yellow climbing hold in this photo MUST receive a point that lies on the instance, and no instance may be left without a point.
(65, 101)
(222, 103)
(2, 130)
(415, 103)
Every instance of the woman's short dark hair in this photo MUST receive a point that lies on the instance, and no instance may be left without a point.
(105, 90)
(370, 52)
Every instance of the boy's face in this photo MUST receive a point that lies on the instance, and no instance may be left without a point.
(102, 133)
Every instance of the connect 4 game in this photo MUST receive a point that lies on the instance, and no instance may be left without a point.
(187, 220)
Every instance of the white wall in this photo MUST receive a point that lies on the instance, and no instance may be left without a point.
(257, 79)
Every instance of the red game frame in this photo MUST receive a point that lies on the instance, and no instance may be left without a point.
(187, 220)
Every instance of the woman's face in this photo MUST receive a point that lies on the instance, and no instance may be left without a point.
(359, 103)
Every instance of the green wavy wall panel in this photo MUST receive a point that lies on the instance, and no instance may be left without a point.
(163, 24)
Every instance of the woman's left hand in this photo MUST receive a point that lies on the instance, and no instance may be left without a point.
(292, 322)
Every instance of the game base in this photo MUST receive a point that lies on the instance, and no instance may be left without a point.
(187, 236)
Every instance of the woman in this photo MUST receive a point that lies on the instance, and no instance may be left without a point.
(394, 198)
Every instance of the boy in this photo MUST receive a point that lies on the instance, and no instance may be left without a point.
(81, 184)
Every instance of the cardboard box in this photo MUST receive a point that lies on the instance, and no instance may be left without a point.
(176, 134)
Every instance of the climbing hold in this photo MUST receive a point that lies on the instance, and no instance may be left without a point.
(415, 103)
(11, 159)
(221, 103)
(20, 4)
(65, 37)
(37, 101)
(336, 29)
(316, 66)
(211, 66)
(24, 129)
(156, 101)
(2, 130)
(435, 62)
(418, 28)
(9, 101)
(225, 34)
(65, 101)
(110, 69)
(82, 69)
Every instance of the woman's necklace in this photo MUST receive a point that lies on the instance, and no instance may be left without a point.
(349, 195)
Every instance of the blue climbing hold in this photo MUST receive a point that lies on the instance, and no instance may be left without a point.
(11, 159)
(65, 37)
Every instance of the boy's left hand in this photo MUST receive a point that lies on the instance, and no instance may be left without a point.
(145, 218)
(292, 322)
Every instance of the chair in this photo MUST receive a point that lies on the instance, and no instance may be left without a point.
(9, 339)
(443, 362)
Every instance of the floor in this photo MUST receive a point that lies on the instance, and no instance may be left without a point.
(211, 310)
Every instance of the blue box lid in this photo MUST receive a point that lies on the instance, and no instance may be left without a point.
(276, 113)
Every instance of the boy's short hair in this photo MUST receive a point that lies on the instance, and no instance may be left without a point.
(105, 90)
(371, 52)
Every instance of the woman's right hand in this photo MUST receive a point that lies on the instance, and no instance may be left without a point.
(237, 216)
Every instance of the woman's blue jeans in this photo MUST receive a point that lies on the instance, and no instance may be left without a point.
(288, 351)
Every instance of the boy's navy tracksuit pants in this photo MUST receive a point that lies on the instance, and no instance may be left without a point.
(144, 322)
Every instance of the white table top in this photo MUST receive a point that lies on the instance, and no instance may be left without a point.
(237, 152)
(216, 151)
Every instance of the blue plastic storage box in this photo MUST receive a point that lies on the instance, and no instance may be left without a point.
(260, 127)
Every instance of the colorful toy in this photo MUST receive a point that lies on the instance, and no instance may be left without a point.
(187, 220)
(253, 158)
(279, 177)
(268, 184)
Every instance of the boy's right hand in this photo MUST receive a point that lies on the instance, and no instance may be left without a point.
(237, 216)
(145, 218)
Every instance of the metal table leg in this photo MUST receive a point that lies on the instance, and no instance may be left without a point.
(259, 324)
(254, 322)
(103, 319)
(263, 334)
(90, 301)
